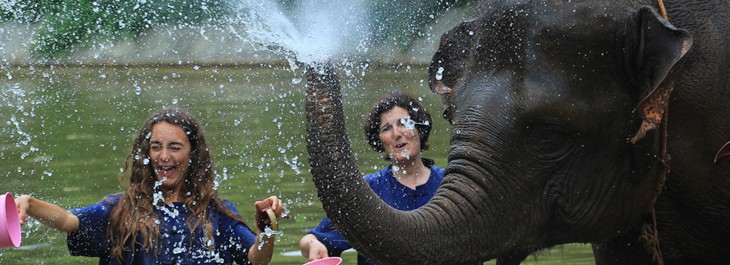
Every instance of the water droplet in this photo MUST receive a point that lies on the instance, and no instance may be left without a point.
(440, 74)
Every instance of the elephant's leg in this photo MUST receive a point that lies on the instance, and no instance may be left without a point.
(513, 258)
(627, 249)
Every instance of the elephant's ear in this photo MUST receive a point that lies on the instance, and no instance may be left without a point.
(658, 48)
(448, 63)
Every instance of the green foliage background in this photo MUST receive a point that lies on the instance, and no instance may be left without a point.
(66, 25)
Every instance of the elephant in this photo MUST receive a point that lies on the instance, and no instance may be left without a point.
(583, 121)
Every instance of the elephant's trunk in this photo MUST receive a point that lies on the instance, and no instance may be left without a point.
(428, 235)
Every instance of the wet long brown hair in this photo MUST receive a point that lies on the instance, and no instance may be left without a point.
(135, 216)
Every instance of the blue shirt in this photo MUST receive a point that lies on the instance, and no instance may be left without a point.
(232, 239)
(393, 193)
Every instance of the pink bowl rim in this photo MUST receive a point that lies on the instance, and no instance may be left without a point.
(324, 259)
(10, 235)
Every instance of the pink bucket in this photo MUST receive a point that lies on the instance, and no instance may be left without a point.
(9, 222)
(326, 261)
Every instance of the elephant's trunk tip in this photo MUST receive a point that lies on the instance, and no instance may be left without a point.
(321, 73)
(321, 67)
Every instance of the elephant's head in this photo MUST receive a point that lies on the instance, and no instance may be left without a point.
(450, 62)
(557, 137)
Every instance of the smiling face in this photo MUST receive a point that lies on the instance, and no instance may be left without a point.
(170, 154)
(400, 141)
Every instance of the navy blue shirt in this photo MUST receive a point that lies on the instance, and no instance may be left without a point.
(231, 239)
(393, 193)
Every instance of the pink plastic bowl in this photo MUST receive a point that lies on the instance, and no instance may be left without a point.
(326, 261)
(9, 222)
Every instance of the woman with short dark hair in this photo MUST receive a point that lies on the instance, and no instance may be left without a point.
(398, 126)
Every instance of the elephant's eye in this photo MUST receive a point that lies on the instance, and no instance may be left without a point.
(447, 115)
(550, 143)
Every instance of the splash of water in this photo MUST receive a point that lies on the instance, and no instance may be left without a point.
(318, 30)
(411, 124)
(268, 233)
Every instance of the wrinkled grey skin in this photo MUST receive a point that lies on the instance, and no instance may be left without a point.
(546, 99)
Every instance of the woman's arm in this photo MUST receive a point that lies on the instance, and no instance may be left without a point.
(263, 255)
(260, 254)
(311, 248)
(49, 214)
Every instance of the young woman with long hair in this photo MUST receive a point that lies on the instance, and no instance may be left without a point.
(169, 212)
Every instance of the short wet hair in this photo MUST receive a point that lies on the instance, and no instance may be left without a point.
(397, 99)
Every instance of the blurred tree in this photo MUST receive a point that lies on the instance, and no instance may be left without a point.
(405, 21)
(27, 10)
(401, 21)
(70, 24)
(67, 25)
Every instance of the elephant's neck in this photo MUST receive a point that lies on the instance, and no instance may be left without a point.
(411, 175)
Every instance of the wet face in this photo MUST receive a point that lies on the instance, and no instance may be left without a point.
(170, 154)
(399, 136)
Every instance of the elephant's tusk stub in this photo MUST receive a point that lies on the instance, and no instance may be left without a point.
(723, 154)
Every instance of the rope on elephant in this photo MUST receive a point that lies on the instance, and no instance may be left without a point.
(650, 233)
(662, 10)
(655, 111)
(651, 238)
(657, 107)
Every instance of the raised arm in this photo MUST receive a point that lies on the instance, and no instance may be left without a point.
(48, 214)
(260, 254)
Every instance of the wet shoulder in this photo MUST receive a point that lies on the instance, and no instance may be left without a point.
(111, 199)
(230, 205)
(437, 173)
(379, 177)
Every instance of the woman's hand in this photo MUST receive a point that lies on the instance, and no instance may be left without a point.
(312, 249)
(262, 219)
(22, 203)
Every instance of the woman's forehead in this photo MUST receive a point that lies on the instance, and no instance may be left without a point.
(167, 131)
(395, 113)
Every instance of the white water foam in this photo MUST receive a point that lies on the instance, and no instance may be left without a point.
(317, 31)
